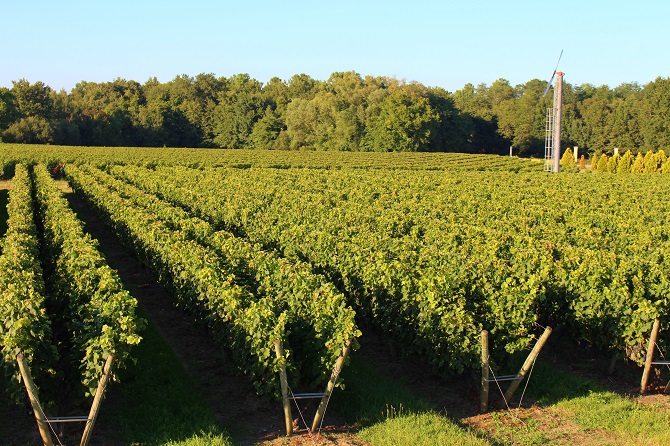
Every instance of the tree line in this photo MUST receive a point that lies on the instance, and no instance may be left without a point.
(347, 112)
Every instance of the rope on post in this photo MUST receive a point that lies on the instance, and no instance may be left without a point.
(526, 385)
(503, 394)
(516, 379)
(309, 431)
(528, 364)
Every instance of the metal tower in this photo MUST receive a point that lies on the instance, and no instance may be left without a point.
(549, 140)
(552, 142)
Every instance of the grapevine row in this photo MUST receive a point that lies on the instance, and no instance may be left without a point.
(63, 308)
(87, 297)
(434, 306)
(307, 298)
(407, 267)
(260, 299)
(24, 324)
(242, 159)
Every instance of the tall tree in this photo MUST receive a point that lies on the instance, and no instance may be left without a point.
(451, 129)
(654, 115)
(302, 86)
(30, 130)
(266, 130)
(312, 124)
(33, 100)
(107, 112)
(589, 128)
(403, 124)
(521, 118)
(8, 111)
(239, 107)
(473, 102)
(300, 119)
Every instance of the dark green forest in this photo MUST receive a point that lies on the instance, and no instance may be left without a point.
(347, 112)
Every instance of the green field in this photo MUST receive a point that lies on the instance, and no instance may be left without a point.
(409, 255)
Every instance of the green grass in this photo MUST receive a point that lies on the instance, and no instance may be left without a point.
(625, 418)
(427, 428)
(392, 413)
(504, 427)
(157, 402)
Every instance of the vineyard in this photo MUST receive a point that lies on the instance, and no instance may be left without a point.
(63, 309)
(313, 249)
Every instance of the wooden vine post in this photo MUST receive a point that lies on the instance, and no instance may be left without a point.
(528, 363)
(97, 399)
(288, 417)
(40, 416)
(43, 422)
(331, 385)
(485, 372)
(650, 355)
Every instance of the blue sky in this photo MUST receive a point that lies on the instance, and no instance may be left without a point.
(437, 43)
